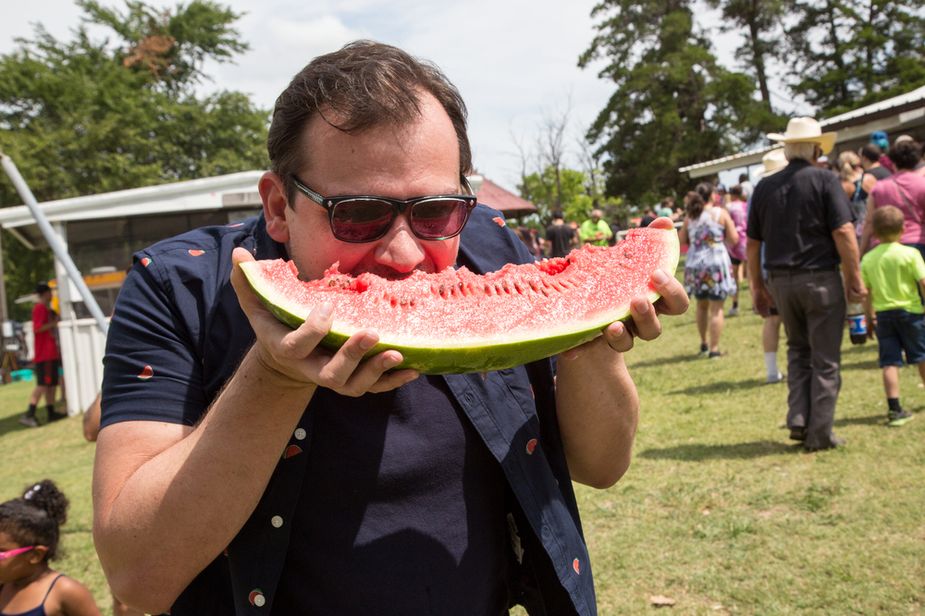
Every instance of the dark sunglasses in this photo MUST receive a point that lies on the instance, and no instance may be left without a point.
(366, 218)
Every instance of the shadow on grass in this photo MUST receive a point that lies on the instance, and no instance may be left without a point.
(720, 386)
(664, 361)
(11, 424)
(871, 420)
(736, 451)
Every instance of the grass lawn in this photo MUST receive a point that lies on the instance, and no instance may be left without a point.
(719, 511)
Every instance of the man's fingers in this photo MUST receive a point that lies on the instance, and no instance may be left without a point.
(645, 319)
(242, 289)
(373, 375)
(662, 222)
(674, 299)
(340, 368)
(619, 337)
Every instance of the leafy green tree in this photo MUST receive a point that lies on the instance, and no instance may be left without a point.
(556, 188)
(673, 104)
(82, 116)
(847, 54)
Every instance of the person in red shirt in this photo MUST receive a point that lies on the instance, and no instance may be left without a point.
(46, 359)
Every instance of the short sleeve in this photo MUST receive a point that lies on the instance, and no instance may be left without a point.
(918, 264)
(838, 210)
(152, 371)
(752, 224)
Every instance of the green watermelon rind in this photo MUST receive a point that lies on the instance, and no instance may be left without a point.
(480, 357)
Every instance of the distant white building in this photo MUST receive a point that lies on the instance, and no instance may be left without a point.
(898, 115)
(101, 233)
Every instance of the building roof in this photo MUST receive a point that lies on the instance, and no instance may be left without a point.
(892, 114)
(500, 198)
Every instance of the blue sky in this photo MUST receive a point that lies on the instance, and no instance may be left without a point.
(515, 61)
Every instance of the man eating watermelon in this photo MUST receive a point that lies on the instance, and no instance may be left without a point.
(243, 469)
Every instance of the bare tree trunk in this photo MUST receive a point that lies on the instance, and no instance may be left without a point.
(758, 54)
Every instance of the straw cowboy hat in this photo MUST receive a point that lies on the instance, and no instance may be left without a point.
(773, 162)
(805, 130)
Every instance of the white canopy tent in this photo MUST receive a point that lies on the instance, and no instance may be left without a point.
(99, 229)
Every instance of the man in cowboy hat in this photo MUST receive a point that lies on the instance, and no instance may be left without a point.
(802, 218)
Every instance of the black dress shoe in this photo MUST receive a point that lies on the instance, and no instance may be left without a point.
(833, 442)
(798, 433)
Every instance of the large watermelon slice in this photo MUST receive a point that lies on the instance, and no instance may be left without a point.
(458, 321)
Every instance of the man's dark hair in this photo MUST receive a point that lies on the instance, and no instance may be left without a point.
(364, 84)
(557, 215)
(905, 154)
(42, 288)
(743, 177)
(871, 152)
(736, 190)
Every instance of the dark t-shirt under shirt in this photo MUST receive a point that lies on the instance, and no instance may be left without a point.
(881, 173)
(794, 213)
(406, 511)
(560, 239)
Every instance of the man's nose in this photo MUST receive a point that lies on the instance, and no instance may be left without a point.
(400, 249)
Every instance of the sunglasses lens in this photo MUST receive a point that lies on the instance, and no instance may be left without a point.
(439, 218)
(362, 220)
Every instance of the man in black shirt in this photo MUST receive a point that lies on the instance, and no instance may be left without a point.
(560, 236)
(802, 217)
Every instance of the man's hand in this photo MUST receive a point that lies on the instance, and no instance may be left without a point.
(296, 355)
(855, 290)
(761, 299)
(644, 322)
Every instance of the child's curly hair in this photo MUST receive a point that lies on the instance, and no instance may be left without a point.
(36, 517)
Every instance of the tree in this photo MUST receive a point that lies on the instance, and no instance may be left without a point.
(848, 54)
(673, 103)
(81, 116)
(757, 20)
(548, 194)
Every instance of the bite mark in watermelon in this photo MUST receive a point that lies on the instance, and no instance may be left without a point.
(456, 321)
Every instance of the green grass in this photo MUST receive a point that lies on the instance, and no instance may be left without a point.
(719, 511)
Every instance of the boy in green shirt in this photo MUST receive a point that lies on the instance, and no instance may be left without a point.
(895, 275)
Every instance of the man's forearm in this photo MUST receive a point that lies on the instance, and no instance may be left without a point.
(172, 511)
(847, 246)
(753, 256)
(598, 411)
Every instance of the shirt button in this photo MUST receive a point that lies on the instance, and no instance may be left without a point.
(299, 434)
(276, 521)
(256, 598)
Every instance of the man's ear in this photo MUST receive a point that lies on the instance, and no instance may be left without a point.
(275, 202)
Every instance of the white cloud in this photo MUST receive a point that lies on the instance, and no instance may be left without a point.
(515, 61)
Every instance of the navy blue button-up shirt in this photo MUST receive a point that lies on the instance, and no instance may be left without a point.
(178, 334)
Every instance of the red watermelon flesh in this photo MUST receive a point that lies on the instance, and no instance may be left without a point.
(458, 321)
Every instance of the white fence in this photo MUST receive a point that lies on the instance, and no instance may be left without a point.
(82, 348)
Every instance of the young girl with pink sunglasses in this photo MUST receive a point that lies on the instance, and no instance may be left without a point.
(29, 532)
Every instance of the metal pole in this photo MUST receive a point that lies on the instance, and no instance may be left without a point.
(57, 246)
(2, 284)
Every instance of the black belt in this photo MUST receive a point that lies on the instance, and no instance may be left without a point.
(796, 273)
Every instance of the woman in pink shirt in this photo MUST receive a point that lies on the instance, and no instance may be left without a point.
(738, 212)
(904, 189)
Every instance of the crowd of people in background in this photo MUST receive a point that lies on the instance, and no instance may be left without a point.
(713, 224)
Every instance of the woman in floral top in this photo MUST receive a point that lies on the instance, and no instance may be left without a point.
(708, 231)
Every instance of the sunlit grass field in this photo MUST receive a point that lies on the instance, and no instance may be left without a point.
(719, 512)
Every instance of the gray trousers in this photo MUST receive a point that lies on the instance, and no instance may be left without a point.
(812, 307)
